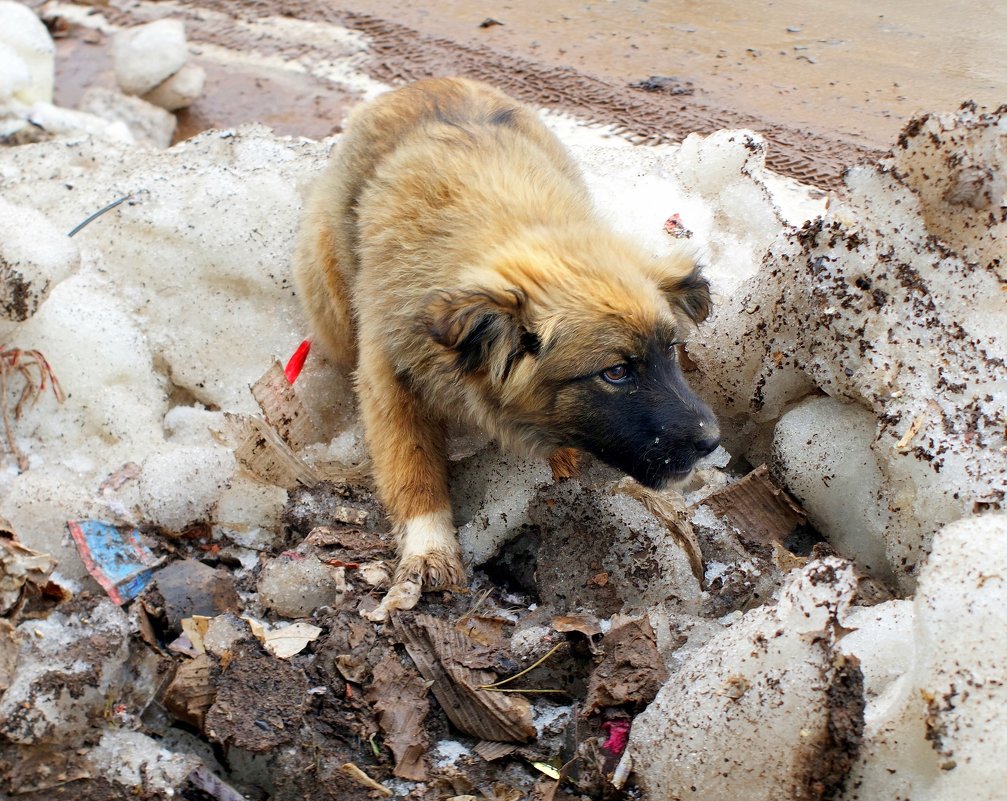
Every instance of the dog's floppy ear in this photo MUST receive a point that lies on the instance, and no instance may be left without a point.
(687, 290)
(483, 327)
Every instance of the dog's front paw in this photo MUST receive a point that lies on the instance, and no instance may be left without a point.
(432, 570)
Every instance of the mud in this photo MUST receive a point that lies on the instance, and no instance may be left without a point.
(302, 104)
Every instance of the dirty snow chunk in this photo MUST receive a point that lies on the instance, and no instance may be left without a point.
(762, 706)
(491, 494)
(881, 637)
(940, 734)
(180, 485)
(295, 585)
(447, 752)
(59, 121)
(24, 36)
(132, 759)
(68, 665)
(34, 257)
(148, 123)
(822, 453)
(148, 54)
(893, 300)
(249, 513)
(180, 90)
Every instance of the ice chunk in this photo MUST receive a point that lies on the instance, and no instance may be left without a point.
(148, 54)
(181, 485)
(34, 257)
(296, 584)
(180, 90)
(823, 452)
(24, 36)
(940, 728)
(765, 706)
(249, 513)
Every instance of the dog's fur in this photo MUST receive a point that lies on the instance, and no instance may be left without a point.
(451, 255)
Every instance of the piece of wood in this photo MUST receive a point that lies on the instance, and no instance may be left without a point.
(757, 508)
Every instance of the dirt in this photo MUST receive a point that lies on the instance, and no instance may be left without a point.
(826, 88)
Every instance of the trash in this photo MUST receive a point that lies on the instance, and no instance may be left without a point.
(401, 596)
(189, 588)
(296, 362)
(757, 508)
(282, 409)
(438, 652)
(116, 557)
(24, 574)
(359, 776)
(264, 453)
(399, 698)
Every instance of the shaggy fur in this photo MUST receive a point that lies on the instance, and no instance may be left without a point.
(450, 255)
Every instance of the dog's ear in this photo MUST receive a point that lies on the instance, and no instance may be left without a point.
(687, 290)
(483, 327)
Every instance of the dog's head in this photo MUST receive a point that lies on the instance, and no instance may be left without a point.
(567, 349)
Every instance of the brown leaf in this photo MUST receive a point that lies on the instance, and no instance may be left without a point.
(632, 671)
(439, 652)
(398, 696)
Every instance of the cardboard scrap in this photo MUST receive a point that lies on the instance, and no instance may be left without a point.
(399, 698)
(757, 508)
(282, 408)
(116, 557)
(632, 670)
(265, 454)
(439, 653)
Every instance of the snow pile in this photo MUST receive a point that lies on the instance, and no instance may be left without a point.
(891, 302)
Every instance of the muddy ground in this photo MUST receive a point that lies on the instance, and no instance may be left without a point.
(827, 89)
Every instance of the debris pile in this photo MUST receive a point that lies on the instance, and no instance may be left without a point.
(192, 555)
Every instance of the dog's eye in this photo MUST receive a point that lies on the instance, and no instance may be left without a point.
(619, 374)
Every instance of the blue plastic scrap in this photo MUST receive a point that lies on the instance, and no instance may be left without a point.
(116, 557)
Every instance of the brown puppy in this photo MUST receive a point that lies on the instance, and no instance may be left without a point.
(451, 255)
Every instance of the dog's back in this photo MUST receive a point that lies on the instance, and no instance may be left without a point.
(327, 256)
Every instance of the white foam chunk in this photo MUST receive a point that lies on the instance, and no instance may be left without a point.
(146, 55)
(25, 45)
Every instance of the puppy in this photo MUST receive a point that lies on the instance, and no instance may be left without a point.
(450, 254)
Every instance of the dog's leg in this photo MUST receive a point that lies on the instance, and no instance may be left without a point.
(565, 463)
(410, 470)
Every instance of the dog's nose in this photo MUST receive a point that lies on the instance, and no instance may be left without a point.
(705, 447)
